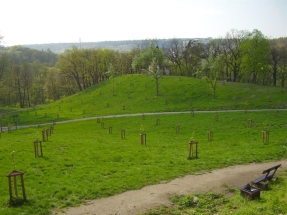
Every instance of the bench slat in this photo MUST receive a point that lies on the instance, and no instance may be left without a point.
(257, 180)
(267, 174)
(272, 168)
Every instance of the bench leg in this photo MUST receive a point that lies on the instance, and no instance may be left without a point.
(262, 185)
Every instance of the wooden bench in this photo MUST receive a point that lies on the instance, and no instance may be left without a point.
(268, 175)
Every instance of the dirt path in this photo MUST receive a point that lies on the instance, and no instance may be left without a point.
(139, 201)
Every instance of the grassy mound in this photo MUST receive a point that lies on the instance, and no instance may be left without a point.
(136, 94)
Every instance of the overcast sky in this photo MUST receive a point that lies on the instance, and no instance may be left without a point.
(55, 21)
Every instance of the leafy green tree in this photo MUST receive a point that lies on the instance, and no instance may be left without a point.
(282, 64)
(53, 87)
(191, 57)
(211, 69)
(274, 59)
(124, 61)
(39, 79)
(150, 60)
(69, 64)
(278, 49)
(255, 59)
(4, 64)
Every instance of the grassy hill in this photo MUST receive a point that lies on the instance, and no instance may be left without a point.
(136, 94)
(86, 160)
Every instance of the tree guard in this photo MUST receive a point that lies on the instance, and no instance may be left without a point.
(265, 136)
(38, 143)
(12, 177)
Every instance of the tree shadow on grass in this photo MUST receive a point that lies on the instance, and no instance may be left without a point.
(18, 202)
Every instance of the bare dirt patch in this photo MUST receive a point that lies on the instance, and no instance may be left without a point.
(138, 201)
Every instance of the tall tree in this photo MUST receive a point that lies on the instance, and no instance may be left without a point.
(173, 50)
(4, 64)
(192, 55)
(230, 48)
(275, 57)
(255, 60)
(278, 49)
(150, 60)
(282, 64)
(70, 63)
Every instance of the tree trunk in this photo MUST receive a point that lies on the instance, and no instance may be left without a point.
(274, 74)
(78, 82)
(156, 85)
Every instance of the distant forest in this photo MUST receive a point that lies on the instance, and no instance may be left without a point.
(122, 46)
(39, 73)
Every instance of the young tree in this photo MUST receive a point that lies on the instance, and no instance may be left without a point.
(150, 60)
(212, 67)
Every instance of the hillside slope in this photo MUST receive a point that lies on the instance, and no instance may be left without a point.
(136, 94)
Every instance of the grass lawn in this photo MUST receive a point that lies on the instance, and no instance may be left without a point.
(83, 161)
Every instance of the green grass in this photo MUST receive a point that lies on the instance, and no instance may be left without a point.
(83, 161)
(136, 94)
(271, 201)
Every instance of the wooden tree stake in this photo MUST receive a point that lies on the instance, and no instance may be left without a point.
(265, 136)
(192, 113)
(44, 135)
(157, 121)
(177, 129)
(250, 123)
(143, 139)
(191, 143)
(210, 135)
(123, 134)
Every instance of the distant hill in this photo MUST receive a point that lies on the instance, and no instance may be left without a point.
(123, 46)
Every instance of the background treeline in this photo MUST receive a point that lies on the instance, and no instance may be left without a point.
(29, 77)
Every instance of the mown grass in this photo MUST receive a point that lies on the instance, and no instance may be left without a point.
(83, 161)
(136, 94)
(271, 201)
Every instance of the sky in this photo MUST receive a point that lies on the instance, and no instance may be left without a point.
(25, 22)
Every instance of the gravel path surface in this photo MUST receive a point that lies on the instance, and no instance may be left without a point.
(138, 201)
